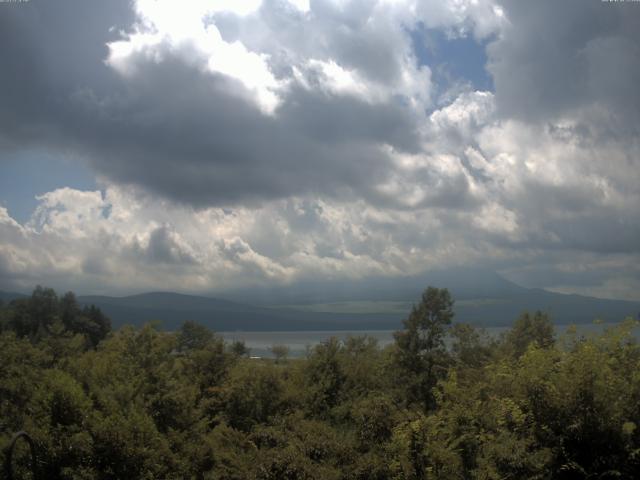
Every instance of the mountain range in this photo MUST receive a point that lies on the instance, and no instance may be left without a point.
(482, 298)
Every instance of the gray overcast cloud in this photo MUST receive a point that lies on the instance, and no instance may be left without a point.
(240, 143)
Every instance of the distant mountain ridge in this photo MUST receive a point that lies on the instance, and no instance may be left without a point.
(8, 296)
(172, 309)
(464, 283)
(169, 300)
(223, 315)
(482, 298)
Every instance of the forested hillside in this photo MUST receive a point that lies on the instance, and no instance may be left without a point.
(141, 403)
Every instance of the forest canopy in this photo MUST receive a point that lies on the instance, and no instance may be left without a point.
(141, 403)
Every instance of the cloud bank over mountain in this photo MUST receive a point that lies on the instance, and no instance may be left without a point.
(240, 143)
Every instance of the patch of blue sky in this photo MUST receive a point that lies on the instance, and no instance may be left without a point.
(25, 175)
(453, 60)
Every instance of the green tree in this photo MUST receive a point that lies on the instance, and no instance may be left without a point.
(528, 329)
(240, 349)
(421, 355)
(324, 376)
(296, 448)
(362, 364)
(95, 324)
(471, 347)
(193, 336)
(43, 315)
(43, 308)
(251, 395)
(281, 352)
(32, 317)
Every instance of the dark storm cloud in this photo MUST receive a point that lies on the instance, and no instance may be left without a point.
(577, 217)
(556, 58)
(174, 129)
(178, 132)
(48, 50)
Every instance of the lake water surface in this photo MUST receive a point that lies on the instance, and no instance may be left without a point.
(260, 343)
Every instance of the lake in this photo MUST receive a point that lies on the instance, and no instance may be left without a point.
(298, 342)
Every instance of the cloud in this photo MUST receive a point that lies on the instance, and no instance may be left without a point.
(575, 59)
(252, 142)
(613, 276)
(49, 50)
(123, 241)
(212, 104)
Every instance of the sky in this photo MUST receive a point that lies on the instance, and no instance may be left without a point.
(207, 145)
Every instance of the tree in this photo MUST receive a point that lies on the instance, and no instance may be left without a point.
(193, 336)
(325, 376)
(69, 311)
(97, 325)
(44, 315)
(471, 347)
(420, 350)
(32, 317)
(89, 321)
(281, 352)
(529, 329)
(240, 349)
(252, 395)
(4, 312)
(43, 306)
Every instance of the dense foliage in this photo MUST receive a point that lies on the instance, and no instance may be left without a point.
(150, 404)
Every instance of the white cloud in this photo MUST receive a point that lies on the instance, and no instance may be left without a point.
(313, 124)
(361, 49)
(466, 113)
(185, 26)
(302, 5)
